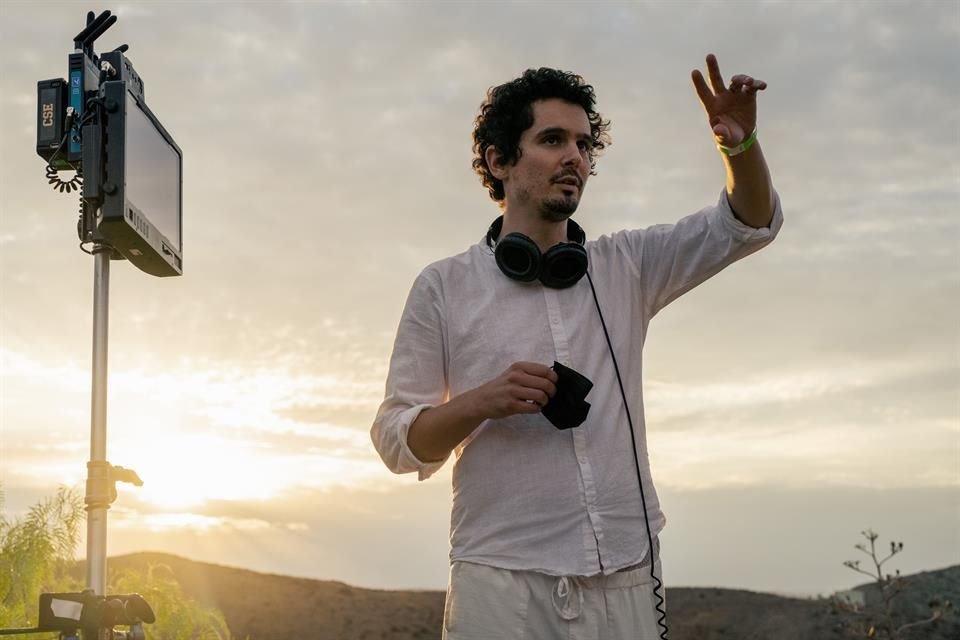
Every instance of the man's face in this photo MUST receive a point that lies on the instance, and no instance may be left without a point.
(554, 163)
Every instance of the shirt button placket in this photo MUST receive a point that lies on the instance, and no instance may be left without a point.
(561, 345)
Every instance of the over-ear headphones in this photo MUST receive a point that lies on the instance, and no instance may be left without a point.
(519, 257)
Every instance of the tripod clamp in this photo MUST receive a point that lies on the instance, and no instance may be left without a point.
(102, 479)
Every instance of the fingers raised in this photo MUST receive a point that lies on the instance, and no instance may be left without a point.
(713, 69)
(703, 91)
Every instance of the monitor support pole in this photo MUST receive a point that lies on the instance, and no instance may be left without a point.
(102, 477)
(100, 488)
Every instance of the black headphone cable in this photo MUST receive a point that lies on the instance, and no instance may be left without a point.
(657, 582)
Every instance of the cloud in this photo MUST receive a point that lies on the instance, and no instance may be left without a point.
(672, 400)
(886, 424)
(166, 522)
(193, 433)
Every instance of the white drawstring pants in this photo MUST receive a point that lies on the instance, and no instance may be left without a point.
(487, 603)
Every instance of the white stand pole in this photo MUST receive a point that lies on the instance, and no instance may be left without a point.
(99, 481)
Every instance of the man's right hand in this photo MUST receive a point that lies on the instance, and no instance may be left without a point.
(523, 388)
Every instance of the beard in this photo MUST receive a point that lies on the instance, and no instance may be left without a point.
(558, 209)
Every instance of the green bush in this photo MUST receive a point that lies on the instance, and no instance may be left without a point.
(37, 552)
(178, 617)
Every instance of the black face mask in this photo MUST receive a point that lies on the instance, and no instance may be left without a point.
(567, 408)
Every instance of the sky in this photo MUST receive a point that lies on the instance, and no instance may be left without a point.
(805, 394)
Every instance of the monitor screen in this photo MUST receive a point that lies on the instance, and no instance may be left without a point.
(152, 173)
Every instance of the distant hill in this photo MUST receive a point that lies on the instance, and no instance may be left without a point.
(273, 607)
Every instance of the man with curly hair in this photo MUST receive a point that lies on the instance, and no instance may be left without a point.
(531, 373)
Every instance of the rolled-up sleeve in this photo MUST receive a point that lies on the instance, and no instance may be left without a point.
(416, 379)
(744, 232)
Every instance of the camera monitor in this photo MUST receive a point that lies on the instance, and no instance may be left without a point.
(142, 184)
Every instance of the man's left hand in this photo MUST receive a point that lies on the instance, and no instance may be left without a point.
(731, 111)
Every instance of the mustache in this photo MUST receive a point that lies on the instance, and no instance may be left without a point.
(563, 175)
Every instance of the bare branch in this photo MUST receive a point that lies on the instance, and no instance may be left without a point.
(937, 613)
(876, 620)
(859, 570)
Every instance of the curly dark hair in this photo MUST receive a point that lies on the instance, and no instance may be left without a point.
(508, 112)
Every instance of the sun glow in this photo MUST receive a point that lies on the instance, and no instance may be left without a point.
(195, 435)
(185, 470)
(220, 436)
(161, 522)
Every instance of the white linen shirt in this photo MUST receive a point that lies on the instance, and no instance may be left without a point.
(527, 496)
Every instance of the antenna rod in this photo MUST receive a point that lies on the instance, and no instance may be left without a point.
(88, 41)
(91, 25)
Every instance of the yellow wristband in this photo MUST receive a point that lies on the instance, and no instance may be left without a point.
(740, 148)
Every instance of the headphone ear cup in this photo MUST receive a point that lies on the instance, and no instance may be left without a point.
(563, 265)
(518, 257)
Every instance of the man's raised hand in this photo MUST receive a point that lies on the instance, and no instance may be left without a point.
(731, 111)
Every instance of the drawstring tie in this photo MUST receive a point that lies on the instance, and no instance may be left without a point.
(567, 598)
